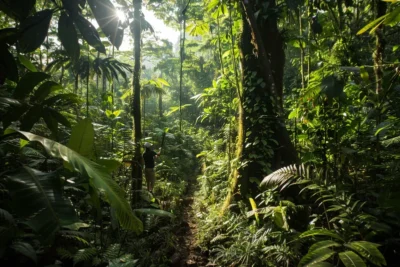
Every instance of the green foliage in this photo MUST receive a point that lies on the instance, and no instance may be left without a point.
(37, 197)
(99, 179)
(68, 36)
(34, 30)
(106, 15)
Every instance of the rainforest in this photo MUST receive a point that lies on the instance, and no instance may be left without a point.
(200, 133)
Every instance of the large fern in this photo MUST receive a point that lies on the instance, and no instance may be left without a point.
(285, 175)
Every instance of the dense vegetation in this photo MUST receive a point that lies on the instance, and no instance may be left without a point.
(281, 113)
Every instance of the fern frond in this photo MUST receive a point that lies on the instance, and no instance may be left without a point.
(391, 141)
(84, 255)
(65, 253)
(96, 261)
(112, 251)
(284, 175)
(75, 236)
(219, 238)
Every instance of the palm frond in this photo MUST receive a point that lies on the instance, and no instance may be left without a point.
(284, 175)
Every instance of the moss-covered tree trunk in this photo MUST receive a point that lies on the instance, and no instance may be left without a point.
(263, 141)
(137, 158)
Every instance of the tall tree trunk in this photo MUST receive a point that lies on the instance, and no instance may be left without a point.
(259, 124)
(380, 10)
(137, 158)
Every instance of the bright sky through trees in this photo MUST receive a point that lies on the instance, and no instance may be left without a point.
(162, 31)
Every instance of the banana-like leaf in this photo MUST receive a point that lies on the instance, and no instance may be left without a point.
(351, 259)
(99, 176)
(316, 256)
(82, 138)
(38, 198)
(369, 251)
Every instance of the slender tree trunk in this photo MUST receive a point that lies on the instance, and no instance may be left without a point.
(160, 105)
(137, 158)
(380, 10)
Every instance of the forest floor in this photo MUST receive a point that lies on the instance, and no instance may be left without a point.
(189, 254)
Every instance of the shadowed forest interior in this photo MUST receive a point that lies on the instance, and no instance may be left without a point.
(274, 122)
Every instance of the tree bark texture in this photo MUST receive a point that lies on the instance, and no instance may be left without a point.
(264, 144)
(137, 158)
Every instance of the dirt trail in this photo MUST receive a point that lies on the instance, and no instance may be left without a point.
(189, 254)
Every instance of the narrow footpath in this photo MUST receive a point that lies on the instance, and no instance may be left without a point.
(189, 253)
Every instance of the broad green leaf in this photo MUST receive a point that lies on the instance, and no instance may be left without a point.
(31, 117)
(372, 24)
(156, 212)
(45, 89)
(351, 259)
(108, 113)
(106, 15)
(393, 17)
(82, 138)
(324, 244)
(279, 216)
(27, 63)
(316, 256)
(117, 112)
(8, 64)
(9, 36)
(89, 33)
(176, 108)
(25, 249)
(28, 82)
(38, 198)
(254, 209)
(99, 178)
(110, 164)
(22, 143)
(323, 232)
(61, 99)
(18, 9)
(34, 30)
(58, 117)
(68, 36)
(51, 123)
(364, 74)
(162, 81)
(369, 251)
